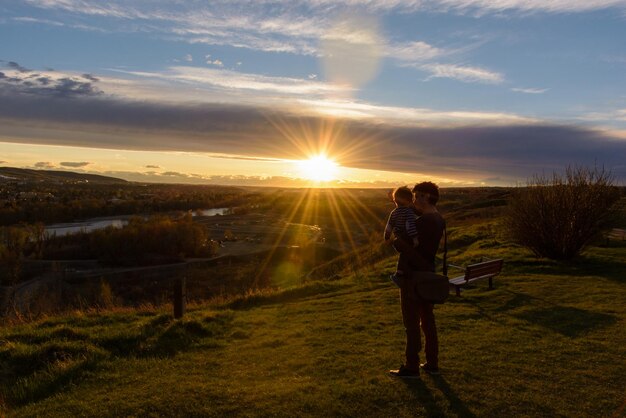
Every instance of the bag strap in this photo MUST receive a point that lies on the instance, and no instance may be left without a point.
(445, 250)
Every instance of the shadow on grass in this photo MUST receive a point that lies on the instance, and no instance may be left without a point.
(33, 372)
(606, 266)
(422, 394)
(46, 383)
(456, 404)
(426, 398)
(131, 340)
(568, 321)
(565, 320)
(517, 300)
(164, 337)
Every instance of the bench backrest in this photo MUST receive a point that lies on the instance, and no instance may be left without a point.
(487, 268)
(617, 233)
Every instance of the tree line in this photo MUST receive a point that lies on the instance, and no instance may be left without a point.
(154, 240)
(53, 202)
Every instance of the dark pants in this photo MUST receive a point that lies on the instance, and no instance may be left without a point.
(403, 264)
(416, 313)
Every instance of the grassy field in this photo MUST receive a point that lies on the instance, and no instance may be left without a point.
(550, 340)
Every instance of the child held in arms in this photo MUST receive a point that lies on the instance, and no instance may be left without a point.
(401, 224)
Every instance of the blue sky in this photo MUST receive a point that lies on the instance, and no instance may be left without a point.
(464, 92)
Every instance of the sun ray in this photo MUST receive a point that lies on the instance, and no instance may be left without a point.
(280, 236)
(374, 217)
(349, 205)
(341, 218)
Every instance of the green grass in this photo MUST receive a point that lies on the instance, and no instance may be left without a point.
(550, 340)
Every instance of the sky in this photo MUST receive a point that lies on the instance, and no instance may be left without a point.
(377, 93)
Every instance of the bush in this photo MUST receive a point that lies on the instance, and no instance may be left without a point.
(158, 239)
(556, 217)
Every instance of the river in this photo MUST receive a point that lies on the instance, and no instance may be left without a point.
(90, 225)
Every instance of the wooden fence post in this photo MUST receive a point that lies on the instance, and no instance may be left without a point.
(180, 297)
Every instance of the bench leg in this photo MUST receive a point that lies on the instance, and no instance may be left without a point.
(491, 283)
(458, 290)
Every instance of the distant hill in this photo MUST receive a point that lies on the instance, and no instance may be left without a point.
(23, 174)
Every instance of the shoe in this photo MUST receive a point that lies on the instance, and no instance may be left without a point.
(405, 373)
(396, 279)
(429, 369)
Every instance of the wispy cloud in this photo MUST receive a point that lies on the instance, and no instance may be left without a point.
(73, 164)
(411, 116)
(553, 6)
(414, 51)
(28, 19)
(44, 165)
(463, 73)
(164, 10)
(289, 26)
(529, 90)
(227, 79)
(611, 115)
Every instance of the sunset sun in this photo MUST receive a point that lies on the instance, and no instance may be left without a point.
(318, 168)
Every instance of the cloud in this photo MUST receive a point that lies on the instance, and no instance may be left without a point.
(22, 81)
(410, 116)
(215, 62)
(174, 174)
(459, 144)
(74, 164)
(243, 180)
(15, 66)
(529, 90)
(188, 58)
(27, 19)
(466, 74)
(554, 6)
(481, 149)
(280, 27)
(44, 164)
(153, 166)
(239, 157)
(297, 26)
(612, 115)
(414, 51)
(90, 77)
(164, 10)
(227, 79)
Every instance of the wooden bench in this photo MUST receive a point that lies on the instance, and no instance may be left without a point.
(616, 234)
(485, 270)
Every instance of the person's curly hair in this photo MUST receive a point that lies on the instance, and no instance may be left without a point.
(429, 188)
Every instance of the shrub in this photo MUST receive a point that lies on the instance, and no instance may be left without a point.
(557, 216)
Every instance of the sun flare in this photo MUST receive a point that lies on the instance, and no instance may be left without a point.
(318, 168)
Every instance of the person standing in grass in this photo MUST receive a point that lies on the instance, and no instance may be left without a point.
(416, 312)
